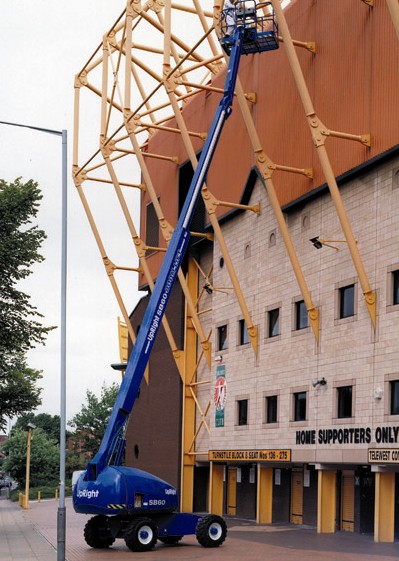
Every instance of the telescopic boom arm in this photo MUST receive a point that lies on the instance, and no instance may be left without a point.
(113, 442)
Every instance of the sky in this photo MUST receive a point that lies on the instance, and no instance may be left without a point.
(44, 44)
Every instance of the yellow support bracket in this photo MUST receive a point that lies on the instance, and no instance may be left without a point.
(313, 314)
(253, 208)
(308, 45)
(307, 172)
(370, 298)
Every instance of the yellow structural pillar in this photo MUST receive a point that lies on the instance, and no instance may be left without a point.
(326, 502)
(216, 477)
(264, 499)
(188, 413)
(384, 510)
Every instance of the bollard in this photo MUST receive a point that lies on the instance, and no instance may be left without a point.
(23, 501)
(38, 496)
(56, 494)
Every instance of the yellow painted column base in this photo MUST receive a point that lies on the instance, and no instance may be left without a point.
(264, 503)
(216, 489)
(384, 513)
(326, 502)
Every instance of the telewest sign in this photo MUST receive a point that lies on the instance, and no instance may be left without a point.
(348, 435)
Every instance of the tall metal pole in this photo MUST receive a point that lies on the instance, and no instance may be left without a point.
(61, 514)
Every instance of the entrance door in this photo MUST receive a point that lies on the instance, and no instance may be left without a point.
(348, 501)
(232, 491)
(296, 514)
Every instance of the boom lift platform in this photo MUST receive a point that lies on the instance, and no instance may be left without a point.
(129, 503)
(257, 23)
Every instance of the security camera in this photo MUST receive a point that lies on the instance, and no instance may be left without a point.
(321, 382)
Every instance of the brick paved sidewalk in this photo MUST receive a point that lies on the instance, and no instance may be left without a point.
(245, 542)
(19, 539)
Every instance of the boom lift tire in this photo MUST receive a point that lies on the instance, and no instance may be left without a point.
(141, 535)
(97, 532)
(170, 540)
(211, 531)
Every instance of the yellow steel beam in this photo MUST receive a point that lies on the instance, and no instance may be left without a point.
(177, 354)
(167, 231)
(318, 132)
(211, 204)
(266, 168)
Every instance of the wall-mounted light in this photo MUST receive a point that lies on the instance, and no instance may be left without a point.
(378, 393)
(321, 382)
(318, 243)
(218, 358)
(120, 366)
(208, 288)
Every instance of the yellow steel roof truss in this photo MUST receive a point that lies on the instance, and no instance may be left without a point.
(139, 78)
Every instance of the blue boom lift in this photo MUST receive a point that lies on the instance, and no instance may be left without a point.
(129, 503)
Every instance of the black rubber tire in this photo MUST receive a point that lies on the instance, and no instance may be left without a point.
(97, 532)
(211, 531)
(141, 535)
(170, 540)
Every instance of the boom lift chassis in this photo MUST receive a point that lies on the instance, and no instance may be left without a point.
(129, 503)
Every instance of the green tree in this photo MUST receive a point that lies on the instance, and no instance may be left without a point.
(20, 326)
(18, 390)
(90, 423)
(44, 459)
(49, 423)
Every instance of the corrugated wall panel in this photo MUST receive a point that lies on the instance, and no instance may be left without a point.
(353, 80)
(384, 80)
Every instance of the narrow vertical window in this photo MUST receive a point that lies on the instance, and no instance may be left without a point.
(395, 287)
(152, 227)
(222, 338)
(344, 402)
(242, 411)
(347, 301)
(273, 322)
(271, 409)
(394, 397)
(300, 406)
(301, 315)
(243, 335)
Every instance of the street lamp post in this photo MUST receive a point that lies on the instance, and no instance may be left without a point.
(30, 427)
(61, 514)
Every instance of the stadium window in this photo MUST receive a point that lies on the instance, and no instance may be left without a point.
(301, 315)
(347, 301)
(300, 406)
(273, 322)
(222, 338)
(344, 400)
(395, 287)
(271, 409)
(243, 335)
(394, 397)
(242, 412)
(152, 228)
